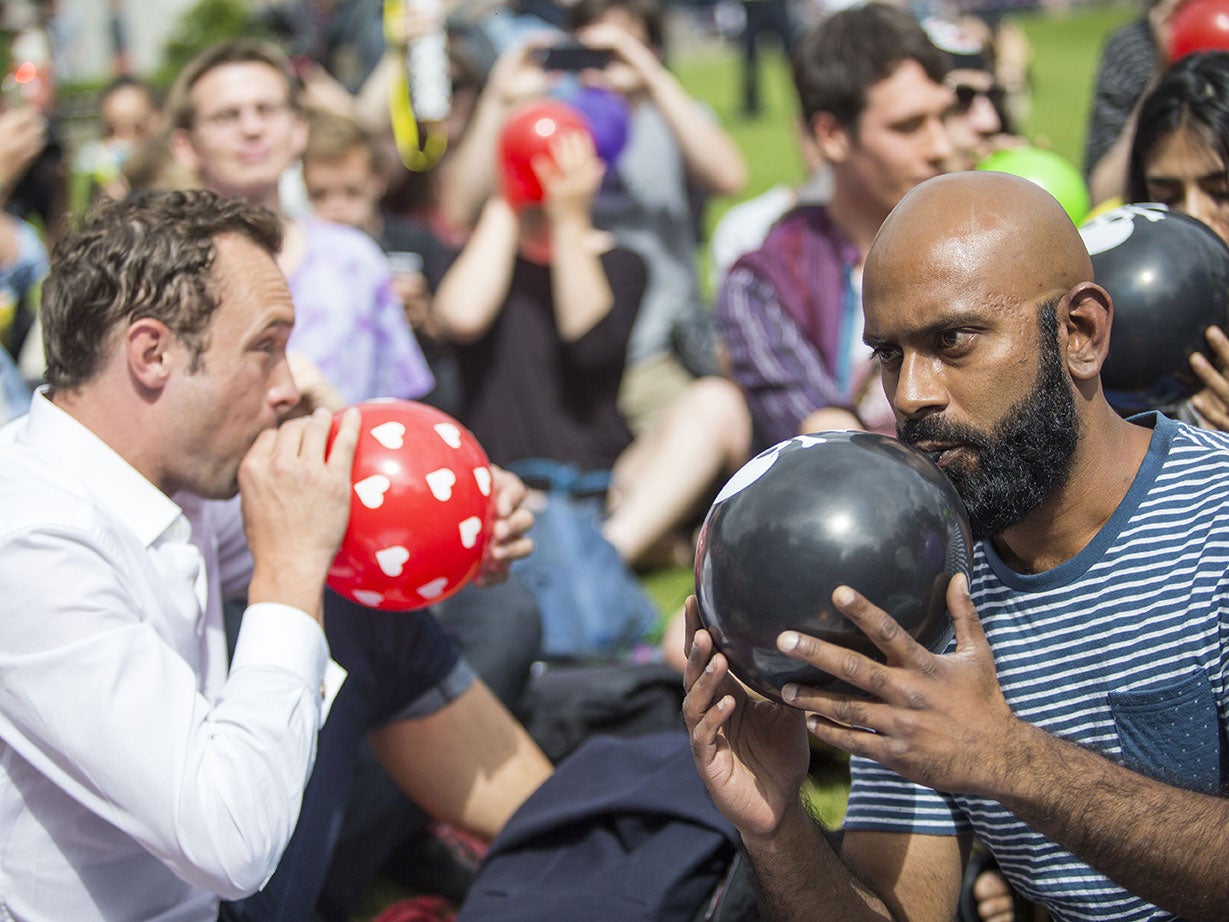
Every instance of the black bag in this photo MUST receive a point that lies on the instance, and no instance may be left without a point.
(622, 832)
(564, 705)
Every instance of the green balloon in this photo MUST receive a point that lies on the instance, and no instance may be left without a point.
(1048, 170)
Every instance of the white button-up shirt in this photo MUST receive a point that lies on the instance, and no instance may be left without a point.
(139, 778)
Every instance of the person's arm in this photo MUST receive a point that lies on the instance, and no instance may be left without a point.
(210, 788)
(783, 375)
(580, 291)
(23, 134)
(752, 755)
(712, 158)
(942, 721)
(470, 763)
(467, 174)
(473, 290)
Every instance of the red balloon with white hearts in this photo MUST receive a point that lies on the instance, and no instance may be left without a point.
(420, 508)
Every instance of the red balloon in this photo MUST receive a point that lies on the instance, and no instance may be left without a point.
(1200, 25)
(420, 508)
(529, 133)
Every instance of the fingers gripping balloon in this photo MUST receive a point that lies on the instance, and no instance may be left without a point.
(813, 513)
(420, 508)
(528, 134)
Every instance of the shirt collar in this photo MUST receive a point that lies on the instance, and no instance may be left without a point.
(139, 505)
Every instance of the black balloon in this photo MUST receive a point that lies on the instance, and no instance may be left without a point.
(813, 513)
(1168, 275)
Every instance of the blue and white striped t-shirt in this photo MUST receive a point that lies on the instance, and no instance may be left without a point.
(1120, 649)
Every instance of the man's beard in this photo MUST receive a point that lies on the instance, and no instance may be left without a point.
(1025, 458)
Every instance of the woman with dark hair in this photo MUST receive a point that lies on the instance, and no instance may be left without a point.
(1180, 151)
(1179, 157)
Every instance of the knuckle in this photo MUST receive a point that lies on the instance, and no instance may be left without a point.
(916, 700)
(850, 712)
(887, 630)
(878, 679)
(850, 666)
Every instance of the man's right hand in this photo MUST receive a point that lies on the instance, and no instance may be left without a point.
(296, 506)
(752, 754)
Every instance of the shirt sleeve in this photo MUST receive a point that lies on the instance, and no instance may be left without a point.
(97, 700)
(782, 374)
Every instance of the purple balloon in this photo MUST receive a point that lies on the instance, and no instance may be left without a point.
(608, 117)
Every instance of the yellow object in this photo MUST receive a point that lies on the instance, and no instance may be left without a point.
(1102, 207)
(417, 153)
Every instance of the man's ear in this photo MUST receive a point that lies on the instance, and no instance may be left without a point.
(1089, 315)
(148, 352)
(832, 138)
(182, 149)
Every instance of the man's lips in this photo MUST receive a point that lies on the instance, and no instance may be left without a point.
(940, 454)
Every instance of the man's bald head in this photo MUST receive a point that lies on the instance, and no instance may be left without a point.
(1001, 232)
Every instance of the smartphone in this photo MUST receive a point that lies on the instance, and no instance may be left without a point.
(572, 56)
(404, 262)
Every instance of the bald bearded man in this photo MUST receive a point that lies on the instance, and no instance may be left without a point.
(1076, 724)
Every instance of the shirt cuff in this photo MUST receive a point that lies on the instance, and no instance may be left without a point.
(284, 637)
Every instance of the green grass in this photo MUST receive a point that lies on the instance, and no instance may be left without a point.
(1064, 52)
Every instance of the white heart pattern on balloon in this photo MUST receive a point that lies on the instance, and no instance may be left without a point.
(371, 490)
(434, 588)
(449, 433)
(390, 434)
(441, 482)
(470, 529)
(482, 475)
(392, 559)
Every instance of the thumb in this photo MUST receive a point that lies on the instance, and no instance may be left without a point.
(969, 633)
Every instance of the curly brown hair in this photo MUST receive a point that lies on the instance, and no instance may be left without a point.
(150, 255)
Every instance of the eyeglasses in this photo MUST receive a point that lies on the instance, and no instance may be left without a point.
(225, 119)
(966, 95)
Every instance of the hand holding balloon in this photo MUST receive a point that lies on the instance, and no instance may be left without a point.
(1212, 403)
(527, 137)
(752, 753)
(570, 176)
(941, 721)
(509, 539)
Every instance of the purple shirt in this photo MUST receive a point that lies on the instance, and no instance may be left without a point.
(779, 314)
(349, 321)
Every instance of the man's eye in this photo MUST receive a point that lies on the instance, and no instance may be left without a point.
(953, 339)
(885, 355)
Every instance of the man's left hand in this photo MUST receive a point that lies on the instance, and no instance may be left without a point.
(940, 721)
(513, 520)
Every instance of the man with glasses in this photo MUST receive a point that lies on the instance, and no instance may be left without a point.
(977, 121)
(236, 122)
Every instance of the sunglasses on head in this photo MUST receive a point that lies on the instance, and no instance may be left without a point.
(965, 96)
